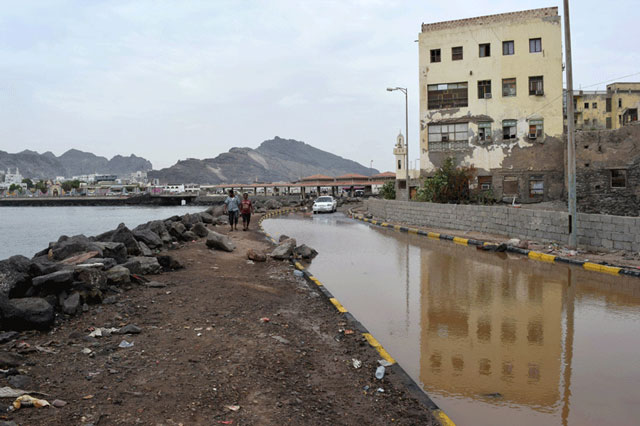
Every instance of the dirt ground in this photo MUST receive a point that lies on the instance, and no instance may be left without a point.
(204, 357)
(615, 258)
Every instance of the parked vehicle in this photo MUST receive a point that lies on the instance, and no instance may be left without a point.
(325, 204)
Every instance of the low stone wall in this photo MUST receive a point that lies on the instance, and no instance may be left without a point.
(595, 231)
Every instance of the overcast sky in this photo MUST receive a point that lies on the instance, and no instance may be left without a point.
(168, 80)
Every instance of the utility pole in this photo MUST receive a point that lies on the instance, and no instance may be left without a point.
(571, 143)
(406, 135)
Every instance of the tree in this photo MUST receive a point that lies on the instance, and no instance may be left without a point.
(68, 185)
(388, 191)
(41, 186)
(15, 187)
(449, 184)
(29, 182)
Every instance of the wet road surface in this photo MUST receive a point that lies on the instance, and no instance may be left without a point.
(494, 339)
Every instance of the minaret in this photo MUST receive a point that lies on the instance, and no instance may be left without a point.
(400, 151)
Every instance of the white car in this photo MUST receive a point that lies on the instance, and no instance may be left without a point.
(325, 204)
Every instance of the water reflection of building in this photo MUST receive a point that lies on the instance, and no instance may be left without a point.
(489, 328)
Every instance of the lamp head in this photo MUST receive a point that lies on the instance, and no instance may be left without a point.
(389, 89)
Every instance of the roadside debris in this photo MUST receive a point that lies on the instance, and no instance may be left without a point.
(356, 363)
(233, 407)
(29, 401)
(281, 339)
(124, 344)
(264, 319)
(380, 372)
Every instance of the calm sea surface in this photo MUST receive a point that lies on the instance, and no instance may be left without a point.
(26, 230)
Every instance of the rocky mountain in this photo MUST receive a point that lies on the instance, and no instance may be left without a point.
(275, 160)
(71, 163)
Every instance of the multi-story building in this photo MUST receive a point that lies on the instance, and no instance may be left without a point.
(491, 97)
(610, 109)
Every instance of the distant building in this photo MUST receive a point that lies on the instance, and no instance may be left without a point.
(11, 177)
(491, 97)
(610, 109)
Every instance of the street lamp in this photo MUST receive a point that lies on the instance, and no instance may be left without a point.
(406, 135)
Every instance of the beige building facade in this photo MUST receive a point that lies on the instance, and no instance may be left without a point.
(611, 109)
(491, 96)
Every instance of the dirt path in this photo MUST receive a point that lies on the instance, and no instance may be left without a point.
(203, 348)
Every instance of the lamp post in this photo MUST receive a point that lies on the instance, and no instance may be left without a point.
(406, 135)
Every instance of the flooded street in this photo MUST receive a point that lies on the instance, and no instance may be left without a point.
(494, 339)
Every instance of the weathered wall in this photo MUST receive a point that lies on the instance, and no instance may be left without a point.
(596, 232)
(597, 154)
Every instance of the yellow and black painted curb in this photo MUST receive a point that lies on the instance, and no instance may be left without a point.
(404, 378)
(534, 255)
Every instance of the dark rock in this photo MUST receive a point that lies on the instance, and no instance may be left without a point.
(67, 247)
(222, 220)
(130, 329)
(93, 278)
(284, 250)
(10, 360)
(71, 304)
(189, 236)
(220, 242)
(147, 236)
(110, 300)
(52, 299)
(177, 229)
(169, 263)
(144, 250)
(255, 256)
(114, 250)
(20, 381)
(200, 230)
(58, 403)
(14, 276)
(305, 252)
(190, 219)
(55, 282)
(283, 237)
(123, 235)
(143, 265)
(8, 336)
(272, 204)
(43, 266)
(118, 275)
(215, 211)
(26, 314)
(206, 217)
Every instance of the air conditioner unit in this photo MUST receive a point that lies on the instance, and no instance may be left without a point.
(445, 138)
(487, 95)
(539, 92)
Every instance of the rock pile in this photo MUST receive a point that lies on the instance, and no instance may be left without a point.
(74, 272)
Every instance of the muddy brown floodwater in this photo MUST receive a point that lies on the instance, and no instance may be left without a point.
(495, 339)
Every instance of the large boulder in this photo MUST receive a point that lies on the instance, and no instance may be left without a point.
(93, 278)
(200, 230)
(256, 256)
(220, 242)
(71, 304)
(206, 217)
(143, 265)
(26, 314)
(169, 263)
(118, 275)
(305, 252)
(272, 204)
(147, 236)
(123, 235)
(189, 236)
(14, 276)
(67, 247)
(42, 266)
(144, 249)
(53, 283)
(215, 211)
(117, 251)
(190, 219)
(177, 229)
(284, 250)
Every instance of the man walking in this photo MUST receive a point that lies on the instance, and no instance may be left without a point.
(231, 207)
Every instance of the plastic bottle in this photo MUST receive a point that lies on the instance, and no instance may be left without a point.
(380, 372)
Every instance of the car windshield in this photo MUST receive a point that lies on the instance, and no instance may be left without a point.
(324, 200)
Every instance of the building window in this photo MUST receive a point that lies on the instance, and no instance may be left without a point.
(586, 121)
(453, 95)
(536, 86)
(485, 50)
(484, 89)
(508, 48)
(586, 105)
(608, 105)
(446, 137)
(510, 185)
(595, 122)
(618, 178)
(608, 122)
(456, 53)
(435, 55)
(399, 164)
(594, 105)
(484, 183)
(536, 186)
(484, 131)
(509, 129)
(508, 87)
(619, 102)
(535, 45)
(536, 129)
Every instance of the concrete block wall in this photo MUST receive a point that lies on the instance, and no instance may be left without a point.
(595, 231)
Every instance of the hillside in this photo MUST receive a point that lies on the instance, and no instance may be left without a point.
(71, 163)
(273, 161)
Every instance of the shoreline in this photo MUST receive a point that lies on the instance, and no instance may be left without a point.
(199, 327)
